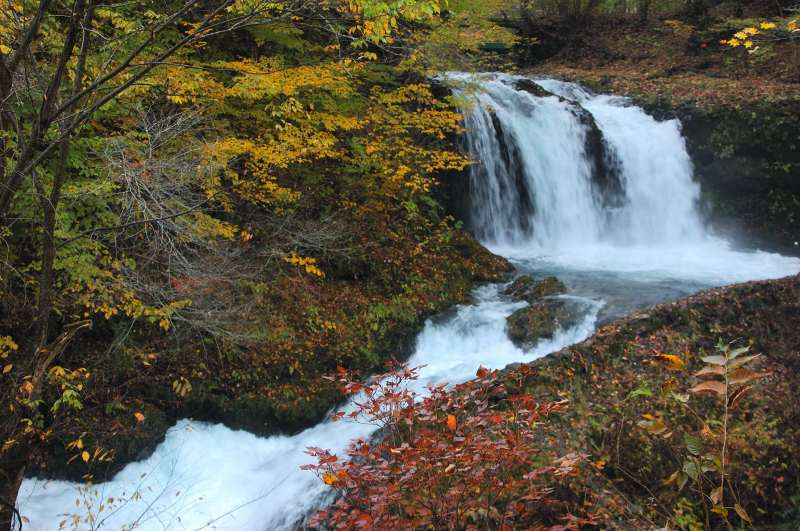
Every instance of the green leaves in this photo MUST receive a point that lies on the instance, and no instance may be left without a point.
(694, 444)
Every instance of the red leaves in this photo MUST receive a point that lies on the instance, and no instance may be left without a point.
(466, 456)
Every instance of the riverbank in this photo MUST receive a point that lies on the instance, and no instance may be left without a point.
(616, 378)
(631, 445)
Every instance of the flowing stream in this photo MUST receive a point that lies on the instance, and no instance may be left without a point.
(582, 186)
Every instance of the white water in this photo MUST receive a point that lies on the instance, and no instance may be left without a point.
(652, 247)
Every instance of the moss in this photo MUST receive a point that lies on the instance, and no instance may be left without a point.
(525, 288)
(612, 380)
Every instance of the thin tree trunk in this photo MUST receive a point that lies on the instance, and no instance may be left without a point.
(644, 11)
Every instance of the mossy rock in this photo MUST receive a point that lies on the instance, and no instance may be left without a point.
(540, 320)
(527, 289)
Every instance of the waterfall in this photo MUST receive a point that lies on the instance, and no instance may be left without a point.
(585, 187)
(540, 180)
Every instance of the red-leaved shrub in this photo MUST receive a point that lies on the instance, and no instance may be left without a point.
(460, 458)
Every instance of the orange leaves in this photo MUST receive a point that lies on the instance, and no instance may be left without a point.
(654, 425)
(139, 416)
(726, 376)
(451, 422)
(670, 362)
(710, 387)
(738, 395)
(26, 388)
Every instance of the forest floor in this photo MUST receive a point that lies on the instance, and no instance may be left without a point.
(675, 61)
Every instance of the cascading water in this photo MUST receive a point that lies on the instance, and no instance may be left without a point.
(538, 184)
(586, 187)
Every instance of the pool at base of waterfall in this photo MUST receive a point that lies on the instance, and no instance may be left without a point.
(541, 197)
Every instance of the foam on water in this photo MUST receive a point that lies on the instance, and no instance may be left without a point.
(533, 200)
(210, 477)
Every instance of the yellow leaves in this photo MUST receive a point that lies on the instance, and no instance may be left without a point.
(184, 85)
(256, 80)
(139, 416)
(5, 50)
(671, 362)
(178, 99)
(749, 37)
(99, 455)
(376, 22)
(654, 425)
(394, 144)
(7, 368)
(117, 19)
(307, 263)
(8, 444)
(7, 346)
(451, 422)
(742, 513)
(251, 165)
(182, 387)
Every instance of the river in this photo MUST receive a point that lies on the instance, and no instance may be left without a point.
(622, 229)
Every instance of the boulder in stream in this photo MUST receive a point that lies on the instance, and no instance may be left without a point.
(541, 320)
(525, 288)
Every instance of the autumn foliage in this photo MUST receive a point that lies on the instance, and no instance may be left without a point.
(449, 459)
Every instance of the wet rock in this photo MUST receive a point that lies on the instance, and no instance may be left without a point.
(548, 287)
(541, 320)
(525, 288)
(606, 168)
(531, 87)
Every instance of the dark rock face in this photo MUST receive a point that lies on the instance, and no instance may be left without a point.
(606, 174)
(525, 288)
(527, 85)
(512, 159)
(747, 159)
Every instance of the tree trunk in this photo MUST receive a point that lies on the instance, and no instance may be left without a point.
(10, 519)
(644, 11)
